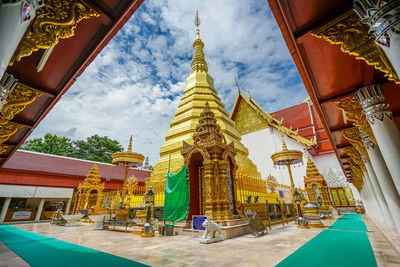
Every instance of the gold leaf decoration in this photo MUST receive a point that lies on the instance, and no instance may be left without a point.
(348, 31)
(354, 113)
(56, 20)
(19, 98)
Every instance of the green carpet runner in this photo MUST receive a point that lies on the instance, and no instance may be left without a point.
(345, 243)
(43, 251)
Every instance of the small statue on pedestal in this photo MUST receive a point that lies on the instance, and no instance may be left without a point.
(209, 234)
(148, 227)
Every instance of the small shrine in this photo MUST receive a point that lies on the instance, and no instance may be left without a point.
(90, 191)
(315, 185)
(212, 167)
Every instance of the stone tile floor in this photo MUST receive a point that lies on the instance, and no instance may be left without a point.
(185, 250)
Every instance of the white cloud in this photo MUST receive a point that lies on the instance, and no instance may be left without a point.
(135, 84)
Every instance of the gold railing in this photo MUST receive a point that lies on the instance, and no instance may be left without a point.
(249, 186)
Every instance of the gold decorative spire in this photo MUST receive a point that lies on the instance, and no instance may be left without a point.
(130, 144)
(284, 147)
(311, 170)
(198, 63)
(94, 175)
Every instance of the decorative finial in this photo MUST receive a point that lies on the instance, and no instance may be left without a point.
(248, 91)
(130, 144)
(237, 85)
(197, 19)
(197, 23)
(284, 147)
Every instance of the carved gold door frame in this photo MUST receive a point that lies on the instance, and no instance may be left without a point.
(202, 191)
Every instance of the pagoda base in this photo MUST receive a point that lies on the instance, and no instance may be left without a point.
(229, 228)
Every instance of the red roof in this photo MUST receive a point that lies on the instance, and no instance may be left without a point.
(52, 167)
(298, 117)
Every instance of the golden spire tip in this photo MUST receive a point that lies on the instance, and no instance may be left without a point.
(130, 144)
(197, 23)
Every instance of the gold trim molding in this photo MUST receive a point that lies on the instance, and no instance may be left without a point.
(354, 138)
(56, 20)
(355, 156)
(354, 112)
(348, 31)
(19, 98)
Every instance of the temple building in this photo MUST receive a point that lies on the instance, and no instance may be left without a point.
(302, 130)
(33, 183)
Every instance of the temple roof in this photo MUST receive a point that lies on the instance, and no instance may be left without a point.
(35, 162)
(250, 117)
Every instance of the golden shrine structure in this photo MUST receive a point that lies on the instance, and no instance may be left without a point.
(90, 192)
(287, 158)
(316, 186)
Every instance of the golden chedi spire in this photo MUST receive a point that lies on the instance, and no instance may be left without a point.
(284, 147)
(199, 90)
(315, 185)
(94, 174)
(198, 63)
(311, 170)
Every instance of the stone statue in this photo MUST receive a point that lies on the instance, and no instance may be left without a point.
(209, 234)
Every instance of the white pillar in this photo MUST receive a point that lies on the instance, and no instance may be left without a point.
(39, 210)
(5, 208)
(67, 206)
(386, 183)
(384, 23)
(368, 198)
(384, 128)
(369, 205)
(377, 193)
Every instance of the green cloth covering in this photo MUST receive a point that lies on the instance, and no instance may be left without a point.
(176, 201)
(43, 251)
(336, 247)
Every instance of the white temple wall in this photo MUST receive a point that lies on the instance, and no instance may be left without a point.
(263, 143)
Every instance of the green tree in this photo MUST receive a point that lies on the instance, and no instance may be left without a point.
(96, 148)
(50, 144)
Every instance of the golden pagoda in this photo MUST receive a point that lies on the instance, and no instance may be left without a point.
(91, 185)
(315, 184)
(199, 90)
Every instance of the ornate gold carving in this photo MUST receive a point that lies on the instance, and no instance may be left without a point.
(7, 128)
(216, 155)
(91, 183)
(3, 148)
(356, 176)
(348, 31)
(199, 63)
(354, 138)
(250, 117)
(355, 156)
(20, 97)
(313, 177)
(56, 20)
(354, 112)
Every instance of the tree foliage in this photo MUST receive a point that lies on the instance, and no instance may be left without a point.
(95, 148)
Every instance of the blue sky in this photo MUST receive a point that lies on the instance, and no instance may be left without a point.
(135, 84)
